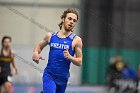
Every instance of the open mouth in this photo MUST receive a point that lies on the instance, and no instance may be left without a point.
(70, 25)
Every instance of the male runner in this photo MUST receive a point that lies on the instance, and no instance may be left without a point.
(63, 45)
(6, 59)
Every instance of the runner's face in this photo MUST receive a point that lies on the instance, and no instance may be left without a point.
(7, 43)
(70, 21)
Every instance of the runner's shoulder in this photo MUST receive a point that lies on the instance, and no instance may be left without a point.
(78, 38)
(48, 34)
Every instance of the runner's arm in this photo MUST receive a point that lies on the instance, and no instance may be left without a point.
(78, 52)
(38, 48)
(13, 62)
(45, 41)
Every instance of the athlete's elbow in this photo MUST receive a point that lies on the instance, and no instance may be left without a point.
(79, 63)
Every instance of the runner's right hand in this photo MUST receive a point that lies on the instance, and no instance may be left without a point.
(36, 57)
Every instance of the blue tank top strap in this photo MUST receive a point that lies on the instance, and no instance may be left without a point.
(54, 33)
(72, 36)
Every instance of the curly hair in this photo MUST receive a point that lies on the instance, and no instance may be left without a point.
(69, 10)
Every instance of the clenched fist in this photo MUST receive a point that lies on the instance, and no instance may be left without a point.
(66, 54)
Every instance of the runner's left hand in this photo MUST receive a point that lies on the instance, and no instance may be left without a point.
(66, 54)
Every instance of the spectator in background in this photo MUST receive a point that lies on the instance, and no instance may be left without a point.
(119, 64)
(118, 75)
(130, 75)
(114, 70)
(110, 70)
(128, 72)
(118, 67)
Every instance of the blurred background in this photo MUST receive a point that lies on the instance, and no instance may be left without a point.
(109, 30)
